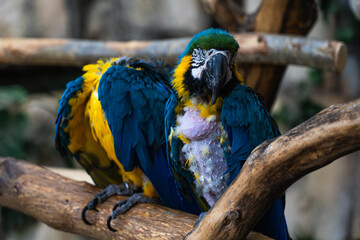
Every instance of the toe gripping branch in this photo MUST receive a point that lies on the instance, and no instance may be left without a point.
(125, 204)
(123, 189)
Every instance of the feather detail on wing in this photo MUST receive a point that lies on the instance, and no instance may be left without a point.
(82, 131)
(248, 123)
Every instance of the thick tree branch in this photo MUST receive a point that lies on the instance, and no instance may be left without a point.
(275, 165)
(254, 48)
(270, 169)
(58, 201)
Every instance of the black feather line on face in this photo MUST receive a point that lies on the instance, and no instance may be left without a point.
(196, 87)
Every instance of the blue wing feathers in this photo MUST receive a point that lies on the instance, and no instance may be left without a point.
(134, 104)
(248, 124)
(243, 108)
(165, 184)
(240, 150)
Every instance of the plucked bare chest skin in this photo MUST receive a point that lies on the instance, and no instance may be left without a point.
(203, 153)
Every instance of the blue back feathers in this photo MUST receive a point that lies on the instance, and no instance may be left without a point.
(133, 97)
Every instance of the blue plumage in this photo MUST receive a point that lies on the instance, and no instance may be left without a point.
(248, 124)
(132, 117)
(133, 99)
(143, 113)
(241, 122)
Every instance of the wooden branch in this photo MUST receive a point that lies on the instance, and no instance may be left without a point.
(229, 14)
(283, 49)
(254, 48)
(275, 165)
(58, 201)
(294, 17)
(68, 52)
(269, 170)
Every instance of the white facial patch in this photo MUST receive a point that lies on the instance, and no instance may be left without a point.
(196, 72)
(200, 59)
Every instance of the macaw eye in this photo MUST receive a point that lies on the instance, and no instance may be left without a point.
(195, 53)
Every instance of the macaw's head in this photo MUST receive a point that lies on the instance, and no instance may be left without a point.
(207, 68)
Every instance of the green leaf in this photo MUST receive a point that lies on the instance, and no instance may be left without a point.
(12, 95)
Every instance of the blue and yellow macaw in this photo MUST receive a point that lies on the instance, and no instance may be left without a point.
(213, 122)
(125, 125)
(111, 120)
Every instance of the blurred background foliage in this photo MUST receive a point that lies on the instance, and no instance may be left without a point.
(28, 111)
(289, 116)
(13, 122)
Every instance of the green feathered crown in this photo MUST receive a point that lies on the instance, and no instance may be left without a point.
(212, 38)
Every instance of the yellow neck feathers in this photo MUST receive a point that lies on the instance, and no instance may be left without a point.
(179, 74)
(238, 75)
(206, 109)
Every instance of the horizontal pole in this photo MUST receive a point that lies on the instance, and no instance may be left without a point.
(254, 48)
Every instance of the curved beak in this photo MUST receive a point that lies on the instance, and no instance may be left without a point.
(215, 74)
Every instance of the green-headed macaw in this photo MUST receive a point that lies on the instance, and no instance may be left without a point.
(213, 122)
(111, 120)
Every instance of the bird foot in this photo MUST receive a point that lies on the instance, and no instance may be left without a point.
(123, 189)
(125, 204)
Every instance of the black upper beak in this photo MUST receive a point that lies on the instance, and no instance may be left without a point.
(215, 75)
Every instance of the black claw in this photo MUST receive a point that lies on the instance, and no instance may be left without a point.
(118, 204)
(124, 189)
(83, 215)
(85, 209)
(109, 224)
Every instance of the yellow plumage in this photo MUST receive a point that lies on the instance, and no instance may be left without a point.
(238, 75)
(179, 73)
(89, 131)
(183, 138)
